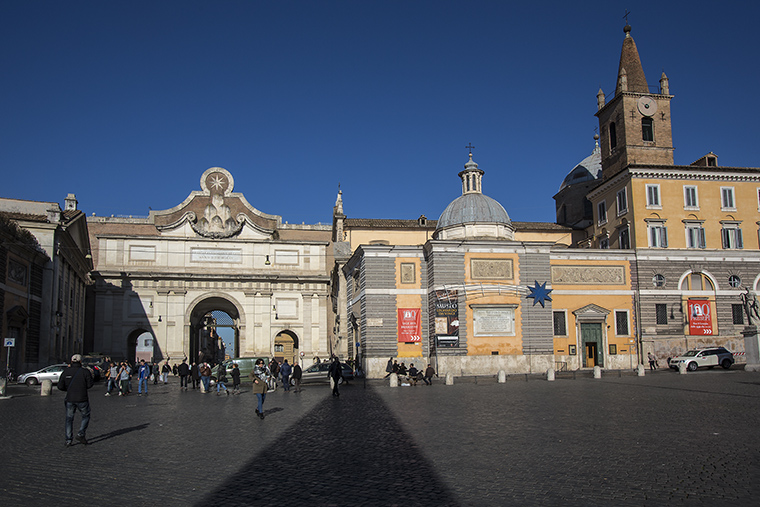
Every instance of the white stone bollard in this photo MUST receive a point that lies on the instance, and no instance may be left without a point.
(47, 388)
(202, 387)
(597, 372)
(394, 379)
(550, 374)
(502, 377)
(682, 368)
(640, 370)
(3, 383)
(449, 379)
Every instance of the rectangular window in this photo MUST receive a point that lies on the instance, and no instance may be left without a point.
(737, 312)
(727, 198)
(732, 237)
(653, 196)
(621, 322)
(690, 197)
(601, 211)
(661, 313)
(560, 324)
(695, 236)
(625, 238)
(658, 235)
(622, 202)
(604, 243)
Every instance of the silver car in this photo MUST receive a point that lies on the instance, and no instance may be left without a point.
(318, 373)
(51, 373)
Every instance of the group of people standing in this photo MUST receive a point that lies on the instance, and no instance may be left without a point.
(119, 376)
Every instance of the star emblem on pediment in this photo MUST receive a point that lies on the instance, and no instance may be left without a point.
(218, 182)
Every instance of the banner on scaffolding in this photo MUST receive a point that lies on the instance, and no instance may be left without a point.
(446, 318)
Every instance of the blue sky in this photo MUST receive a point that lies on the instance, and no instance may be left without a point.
(126, 103)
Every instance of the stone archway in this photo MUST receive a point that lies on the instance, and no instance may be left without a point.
(141, 344)
(204, 342)
(286, 346)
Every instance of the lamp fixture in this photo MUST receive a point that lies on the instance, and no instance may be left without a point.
(266, 262)
(159, 318)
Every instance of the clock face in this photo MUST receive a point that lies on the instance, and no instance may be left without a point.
(647, 106)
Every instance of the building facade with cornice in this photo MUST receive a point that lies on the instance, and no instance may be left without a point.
(160, 281)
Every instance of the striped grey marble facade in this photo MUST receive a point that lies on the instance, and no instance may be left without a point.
(537, 324)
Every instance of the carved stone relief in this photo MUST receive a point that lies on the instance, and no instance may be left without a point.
(588, 275)
(491, 269)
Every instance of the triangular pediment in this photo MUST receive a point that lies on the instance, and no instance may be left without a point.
(591, 312)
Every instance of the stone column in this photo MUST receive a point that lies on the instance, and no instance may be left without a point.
(751, 348)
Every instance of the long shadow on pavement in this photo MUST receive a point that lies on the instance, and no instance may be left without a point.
(119, 432)
(346, 451)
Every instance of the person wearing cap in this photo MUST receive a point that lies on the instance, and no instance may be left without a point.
(75, 381)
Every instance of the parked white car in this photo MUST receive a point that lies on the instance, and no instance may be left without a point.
(52, 373)
(709, 358)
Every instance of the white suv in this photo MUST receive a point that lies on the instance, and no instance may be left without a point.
(709, 358)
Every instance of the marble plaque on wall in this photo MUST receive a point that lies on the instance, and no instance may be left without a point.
(588, 275)
(491, 269)
(493, 321)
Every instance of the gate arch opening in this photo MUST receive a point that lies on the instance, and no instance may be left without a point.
(214, 330)
(286, 346)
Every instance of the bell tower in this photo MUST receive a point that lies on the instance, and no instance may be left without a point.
(634, 127)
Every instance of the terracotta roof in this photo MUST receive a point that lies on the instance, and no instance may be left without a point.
(540, 226)
(388, 223)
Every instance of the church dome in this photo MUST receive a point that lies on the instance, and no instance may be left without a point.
(589, 169)
(470, 208)
(473, 214)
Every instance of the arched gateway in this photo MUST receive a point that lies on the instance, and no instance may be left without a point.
(169, 273)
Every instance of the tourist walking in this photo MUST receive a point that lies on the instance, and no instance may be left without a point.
(335, 374)
(113, 378)
(75, 381)
(183, 370)
(389, 368)
(285, 371)
(297, 372)
(143, 372)
(235, 379)
(652, 361)
(429, 373)
(195, 374)
(165, 371)
(124, 374)
(259, 376)
(221, 380)
(205, 371)
(155, 371)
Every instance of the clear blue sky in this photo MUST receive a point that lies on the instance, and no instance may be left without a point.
(126, 103)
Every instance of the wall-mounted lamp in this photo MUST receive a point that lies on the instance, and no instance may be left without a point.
(159, 318)
(274, 309)
(266, 262)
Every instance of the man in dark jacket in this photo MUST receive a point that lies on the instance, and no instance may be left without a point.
(76, 380)
(297, 376)
(184, 371)
(335, 373)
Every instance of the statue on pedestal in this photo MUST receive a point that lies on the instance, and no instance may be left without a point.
(751, 308)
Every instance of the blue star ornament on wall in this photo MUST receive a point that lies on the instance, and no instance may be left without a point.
(539, 293)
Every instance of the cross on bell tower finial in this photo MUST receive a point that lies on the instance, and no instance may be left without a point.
(470, 147)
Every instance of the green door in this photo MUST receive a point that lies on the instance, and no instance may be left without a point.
(591, 337)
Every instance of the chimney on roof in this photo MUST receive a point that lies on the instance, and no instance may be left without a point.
(71, 202)
(54, 214)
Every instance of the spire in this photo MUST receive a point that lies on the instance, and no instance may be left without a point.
(338, 208)
(630, 66)
(664, 84)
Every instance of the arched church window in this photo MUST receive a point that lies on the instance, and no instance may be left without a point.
(468, 182)
(647, 129)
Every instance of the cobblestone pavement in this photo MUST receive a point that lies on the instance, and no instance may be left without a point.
(620, 440)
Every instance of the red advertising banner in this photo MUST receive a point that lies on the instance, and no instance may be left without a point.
(700, 317)
(409, 325)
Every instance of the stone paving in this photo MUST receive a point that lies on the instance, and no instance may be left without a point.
(620, 440)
